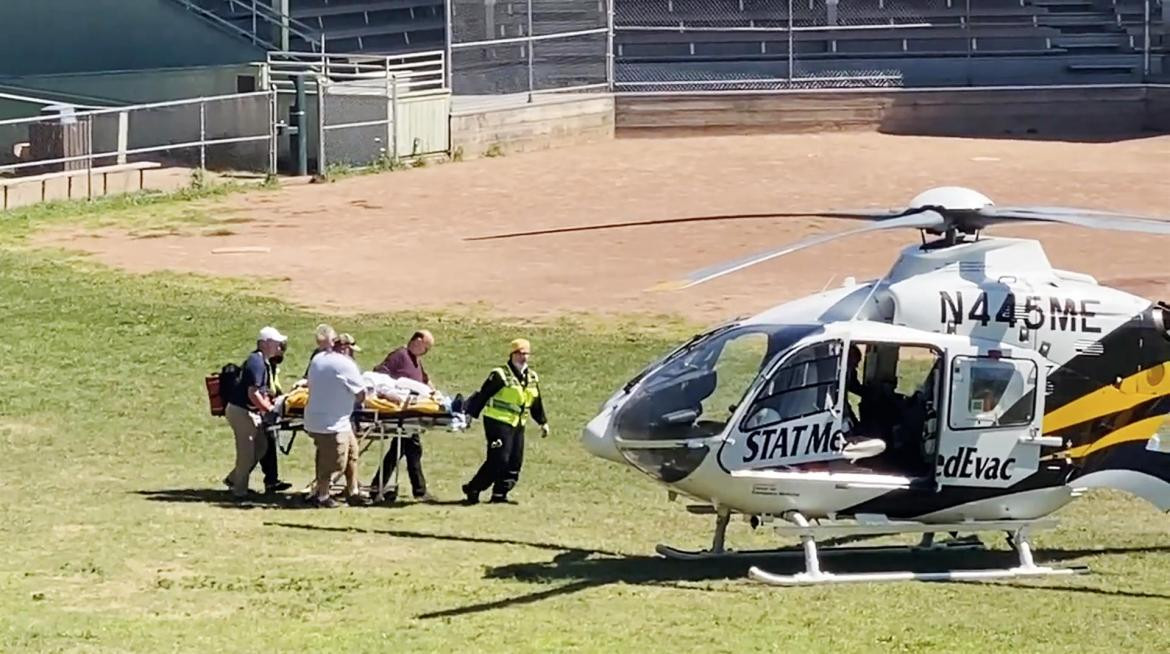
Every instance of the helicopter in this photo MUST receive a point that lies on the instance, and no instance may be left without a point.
(972, 388)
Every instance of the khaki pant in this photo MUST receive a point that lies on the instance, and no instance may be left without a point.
(251, 445)
(336, 452)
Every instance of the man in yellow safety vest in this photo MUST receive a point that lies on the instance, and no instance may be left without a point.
(508, 396)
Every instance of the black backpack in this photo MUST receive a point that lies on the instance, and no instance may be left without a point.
(230, 378)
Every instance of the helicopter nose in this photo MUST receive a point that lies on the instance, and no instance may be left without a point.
(597, 440)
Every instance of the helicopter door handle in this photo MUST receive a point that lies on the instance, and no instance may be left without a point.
(1043, 441)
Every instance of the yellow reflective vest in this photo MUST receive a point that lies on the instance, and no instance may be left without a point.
(274, 379)
(512, 403)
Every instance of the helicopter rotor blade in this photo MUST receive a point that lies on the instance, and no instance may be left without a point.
(861, 214)
(919, 219)
(1080, 217)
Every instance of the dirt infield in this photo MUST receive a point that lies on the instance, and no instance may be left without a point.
(395, 241)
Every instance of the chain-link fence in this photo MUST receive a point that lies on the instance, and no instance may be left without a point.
(225, 132)
(528, 46)
(673, 45)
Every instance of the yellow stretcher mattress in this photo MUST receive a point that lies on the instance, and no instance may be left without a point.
(297, 399)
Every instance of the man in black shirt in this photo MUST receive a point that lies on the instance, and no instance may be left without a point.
(246, 404)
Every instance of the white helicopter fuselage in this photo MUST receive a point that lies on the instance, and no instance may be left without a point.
(1071, 362)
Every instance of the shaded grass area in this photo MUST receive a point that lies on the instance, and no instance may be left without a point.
(117, 535)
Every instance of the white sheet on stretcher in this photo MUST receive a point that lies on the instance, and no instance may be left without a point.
(399, 389)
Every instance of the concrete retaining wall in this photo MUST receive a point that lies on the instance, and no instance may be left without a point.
(549, 121)
(1045, 112)
(1158, 108)
(81, 184)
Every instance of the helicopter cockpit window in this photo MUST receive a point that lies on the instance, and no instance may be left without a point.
(992, 392)
(808, 383)
(694, 393)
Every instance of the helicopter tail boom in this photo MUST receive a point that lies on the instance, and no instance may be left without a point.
(1139, 467)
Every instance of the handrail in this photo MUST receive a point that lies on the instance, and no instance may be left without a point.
(217, 19)
(81, 115)
(301, 29)
(315, 39)
(414, 72)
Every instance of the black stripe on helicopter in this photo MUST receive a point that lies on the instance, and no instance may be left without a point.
(1099, 427)
(1138, 344)
(921, 501)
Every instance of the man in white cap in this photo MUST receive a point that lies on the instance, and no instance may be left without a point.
(247, 402)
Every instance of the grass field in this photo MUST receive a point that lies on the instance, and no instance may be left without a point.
(117, 535)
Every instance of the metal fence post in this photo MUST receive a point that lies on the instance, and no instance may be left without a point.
(391, 125)
(531, 43)
(89, 157)
(394, 114)
(254, 26)
(273, 116)
(202, 135)
(300, 141)
(970, 43)
(609, 49)
(123, 135)
(791, 56)
(1146, 41)
(448, 73)
(321, 163)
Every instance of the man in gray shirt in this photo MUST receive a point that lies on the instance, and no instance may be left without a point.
(335, 386)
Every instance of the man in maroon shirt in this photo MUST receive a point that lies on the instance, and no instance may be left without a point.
(406, 362)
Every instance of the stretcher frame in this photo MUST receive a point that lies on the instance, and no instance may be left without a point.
(373, 425)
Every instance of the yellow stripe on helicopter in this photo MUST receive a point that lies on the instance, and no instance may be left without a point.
(1135, 431)
(1141, 387)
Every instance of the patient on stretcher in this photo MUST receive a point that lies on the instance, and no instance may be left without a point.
(387, 395)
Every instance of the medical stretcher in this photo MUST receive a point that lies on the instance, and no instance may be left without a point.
(377, 419)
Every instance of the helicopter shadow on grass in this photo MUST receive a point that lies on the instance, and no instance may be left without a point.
(581, 570)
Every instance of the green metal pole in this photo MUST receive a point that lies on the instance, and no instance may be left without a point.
(300, 141)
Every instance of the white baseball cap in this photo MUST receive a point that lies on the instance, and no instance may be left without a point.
(271, 334)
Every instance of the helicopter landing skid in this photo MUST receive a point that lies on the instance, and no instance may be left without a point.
(1018, 537)
(718, 551)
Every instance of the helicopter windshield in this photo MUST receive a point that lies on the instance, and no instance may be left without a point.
(693, 393)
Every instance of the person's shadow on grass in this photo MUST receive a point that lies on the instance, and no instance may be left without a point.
(223, 498)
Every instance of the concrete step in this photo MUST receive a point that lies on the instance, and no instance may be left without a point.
(1100, 68)
(1077, 19)
(1065, 5)
(1091, 41)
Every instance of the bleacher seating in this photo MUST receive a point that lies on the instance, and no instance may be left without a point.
(365, 26)
(957, 28)
(375, 26)
(1074, 37)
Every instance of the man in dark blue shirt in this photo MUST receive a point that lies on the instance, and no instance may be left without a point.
(246, 404)
(269, 464)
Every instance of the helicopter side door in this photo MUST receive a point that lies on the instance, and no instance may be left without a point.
(794, 413)
(994, 411)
